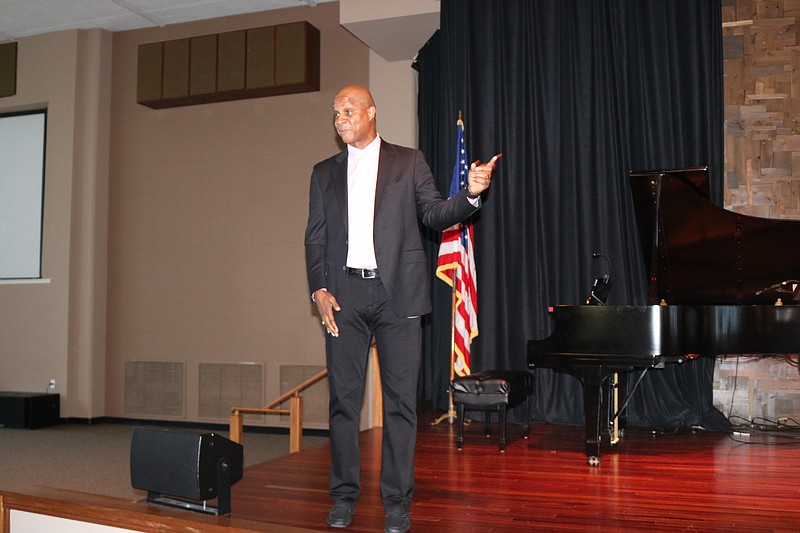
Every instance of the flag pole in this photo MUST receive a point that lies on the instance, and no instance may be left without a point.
(454, 258)
(450, 415)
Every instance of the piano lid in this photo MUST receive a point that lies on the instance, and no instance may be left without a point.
(698, 253)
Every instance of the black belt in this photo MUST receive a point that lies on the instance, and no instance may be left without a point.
(365, 273)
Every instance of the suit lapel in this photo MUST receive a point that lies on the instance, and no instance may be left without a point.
(339, 173)
(385, 165)
(386, 161)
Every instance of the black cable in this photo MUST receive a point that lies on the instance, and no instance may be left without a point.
(630, 394)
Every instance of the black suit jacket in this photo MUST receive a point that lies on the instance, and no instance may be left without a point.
(405, 193)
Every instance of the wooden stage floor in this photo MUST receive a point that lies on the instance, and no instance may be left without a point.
(695, 481)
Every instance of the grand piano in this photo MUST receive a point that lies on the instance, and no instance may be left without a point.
(720, 283)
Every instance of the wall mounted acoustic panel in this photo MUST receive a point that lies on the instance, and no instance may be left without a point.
(8, 69)
(232, 51)
(260, 57)
(290, 68)
(256, 62)
(150, 67)
(175, 77)
(203, 64)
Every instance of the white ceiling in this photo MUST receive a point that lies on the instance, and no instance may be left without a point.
(22, 18)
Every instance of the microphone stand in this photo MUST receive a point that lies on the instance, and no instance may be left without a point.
(795, 289)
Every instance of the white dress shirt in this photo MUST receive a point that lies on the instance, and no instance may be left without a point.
(362, 177)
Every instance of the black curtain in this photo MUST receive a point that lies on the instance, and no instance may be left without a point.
(575, 94)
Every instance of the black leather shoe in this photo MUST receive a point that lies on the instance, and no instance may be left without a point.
(341, 515)
(397, 521)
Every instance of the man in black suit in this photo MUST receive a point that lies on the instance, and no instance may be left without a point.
(368, 275)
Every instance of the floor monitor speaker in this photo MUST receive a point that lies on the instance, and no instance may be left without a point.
(188, 465)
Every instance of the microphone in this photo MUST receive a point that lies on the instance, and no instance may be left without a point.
(776, 286)
(607, 275)
(602, 286)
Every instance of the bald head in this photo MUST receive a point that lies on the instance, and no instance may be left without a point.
(354, 115)
(357, 93)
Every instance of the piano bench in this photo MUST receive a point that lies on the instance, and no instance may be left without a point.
(491, 390)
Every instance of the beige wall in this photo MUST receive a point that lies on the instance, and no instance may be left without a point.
(394, 87)
(43, 325)
(89, 226)
(175, 235)
(208, 206)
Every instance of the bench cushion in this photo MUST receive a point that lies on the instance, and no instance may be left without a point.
(493, 387)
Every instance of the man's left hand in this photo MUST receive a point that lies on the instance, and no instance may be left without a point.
(480, 176)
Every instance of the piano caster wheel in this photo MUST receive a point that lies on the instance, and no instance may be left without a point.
(594, 460)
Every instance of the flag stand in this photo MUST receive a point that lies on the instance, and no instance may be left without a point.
(450, 415)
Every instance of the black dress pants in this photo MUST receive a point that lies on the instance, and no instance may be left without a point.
(365, 312)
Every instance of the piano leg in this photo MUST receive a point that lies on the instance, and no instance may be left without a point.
(592, 378)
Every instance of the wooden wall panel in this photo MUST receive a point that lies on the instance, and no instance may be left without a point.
(8, 69)
(290, 66)
(232, 55)
(762, 107)
(175, 76)
(251, 63)
(762, 172)
(150, 67)
(260, 57)
(203, 64)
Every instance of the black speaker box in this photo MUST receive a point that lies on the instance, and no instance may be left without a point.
(183, 463)
(29, 410)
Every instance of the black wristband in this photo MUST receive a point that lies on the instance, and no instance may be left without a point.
(470, 195)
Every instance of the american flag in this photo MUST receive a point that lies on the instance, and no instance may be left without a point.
(456, 267)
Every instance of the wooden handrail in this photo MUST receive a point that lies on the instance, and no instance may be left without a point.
(300, 388)
(295, 413)
(295, 410)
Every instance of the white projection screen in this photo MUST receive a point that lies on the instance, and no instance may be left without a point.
(22, 149)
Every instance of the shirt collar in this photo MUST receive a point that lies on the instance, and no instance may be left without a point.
(371, 149)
